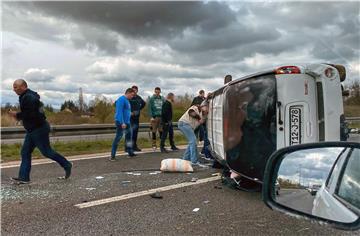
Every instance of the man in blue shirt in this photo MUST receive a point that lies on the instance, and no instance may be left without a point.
(122, 122)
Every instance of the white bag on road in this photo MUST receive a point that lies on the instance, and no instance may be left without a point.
(176, 165)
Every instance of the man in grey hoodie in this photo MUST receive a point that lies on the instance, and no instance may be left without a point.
(155, 107)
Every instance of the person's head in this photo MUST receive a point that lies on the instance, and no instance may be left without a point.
(19, 86)
(227, 79)
(204, 107)
(135, 88)
(170, 97)
(202, 93)
(129, 93)
(157, 91)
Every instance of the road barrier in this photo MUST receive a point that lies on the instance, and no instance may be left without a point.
(72, 130)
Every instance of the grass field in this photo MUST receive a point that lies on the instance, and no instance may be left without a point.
(11, 152)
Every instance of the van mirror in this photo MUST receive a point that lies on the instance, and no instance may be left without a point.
(317, 181)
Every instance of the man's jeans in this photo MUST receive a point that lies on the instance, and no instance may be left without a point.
(167, 128)
(38, 138)
(135, 130)
(118, 136)
(191, 153)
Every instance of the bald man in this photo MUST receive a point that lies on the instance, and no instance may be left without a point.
(37, 132)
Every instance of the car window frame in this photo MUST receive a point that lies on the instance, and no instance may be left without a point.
(332, 169)
(347, 204)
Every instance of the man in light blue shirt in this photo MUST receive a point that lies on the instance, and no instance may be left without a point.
(122, 122)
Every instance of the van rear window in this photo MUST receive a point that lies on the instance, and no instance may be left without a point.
(250, 124)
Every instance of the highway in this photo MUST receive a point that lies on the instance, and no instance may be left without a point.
(298, 199)
(110, 198)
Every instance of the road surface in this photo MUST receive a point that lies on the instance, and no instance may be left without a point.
(105, 198)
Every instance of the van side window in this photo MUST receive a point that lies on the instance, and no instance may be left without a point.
(320, 105)
(349, 188)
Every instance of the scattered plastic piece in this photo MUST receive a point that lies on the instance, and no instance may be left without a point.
(90, 189)
(126, 181)
(156, 195)
(99, 177)
(194, 180)
(206, 202)
(196, 209)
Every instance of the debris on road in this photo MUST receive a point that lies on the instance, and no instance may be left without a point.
(196, 209)
(194, 180)
(89, 189)
(99, 177)
(217, 187)
(155, 173)
(125, 181)
(156, 195)
(206, 202)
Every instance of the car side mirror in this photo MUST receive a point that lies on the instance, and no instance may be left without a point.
(319, 181)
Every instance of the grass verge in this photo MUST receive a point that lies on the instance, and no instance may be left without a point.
(11, 152)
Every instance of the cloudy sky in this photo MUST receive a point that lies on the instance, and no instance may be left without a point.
(105, 47)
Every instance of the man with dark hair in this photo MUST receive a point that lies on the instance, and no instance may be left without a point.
(155, 107)
(137, 104)
(199, 99)
(166, 121)
(122, 122)
(37, 132)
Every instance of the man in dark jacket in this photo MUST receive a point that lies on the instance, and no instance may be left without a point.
(199, 99)
(166, 121)
(137, 104)
(37, 132)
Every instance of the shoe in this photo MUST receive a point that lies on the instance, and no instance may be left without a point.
(112, 159)
(164, 150)
(132, 154)
(68, 171)
(154, 148)
(136, 149)
(20, 181)
(174, 148)
(198, 164)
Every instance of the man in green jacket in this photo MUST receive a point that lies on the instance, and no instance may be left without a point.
(155, 106)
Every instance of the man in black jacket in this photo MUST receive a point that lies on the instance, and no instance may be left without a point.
(37, 132)
(166, 121)
(137, 104)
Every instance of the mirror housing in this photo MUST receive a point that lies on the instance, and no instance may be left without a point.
(270, 183)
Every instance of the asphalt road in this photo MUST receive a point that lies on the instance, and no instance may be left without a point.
(47, 205)
(298, 199)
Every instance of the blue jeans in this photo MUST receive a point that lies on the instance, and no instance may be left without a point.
(38, 138)
(191, 153)
(118, 136)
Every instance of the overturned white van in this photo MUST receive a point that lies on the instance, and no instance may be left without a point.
(251, 117)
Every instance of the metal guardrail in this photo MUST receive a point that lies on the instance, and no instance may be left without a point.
(72, 130)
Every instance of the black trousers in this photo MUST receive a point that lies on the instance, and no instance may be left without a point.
(167, 128)
(135, 130)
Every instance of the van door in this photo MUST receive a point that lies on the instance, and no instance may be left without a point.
(215, 125)
(296, 110)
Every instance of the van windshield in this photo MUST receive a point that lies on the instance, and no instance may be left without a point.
(250, 124)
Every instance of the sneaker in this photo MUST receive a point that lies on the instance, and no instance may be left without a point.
(132, 154)
(164, 150)
(20, 181)
(112, 159)
(68, 171)
(174, 148)
(136, 149)
(198, 164)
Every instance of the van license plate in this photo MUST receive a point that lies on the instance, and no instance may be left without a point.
(295, 126)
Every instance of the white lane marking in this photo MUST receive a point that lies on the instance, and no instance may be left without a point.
(143, 193)
(41, 162)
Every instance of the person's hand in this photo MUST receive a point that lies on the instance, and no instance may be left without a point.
(152, 119)
(123, 126)
(12, 113)
(202, 121)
